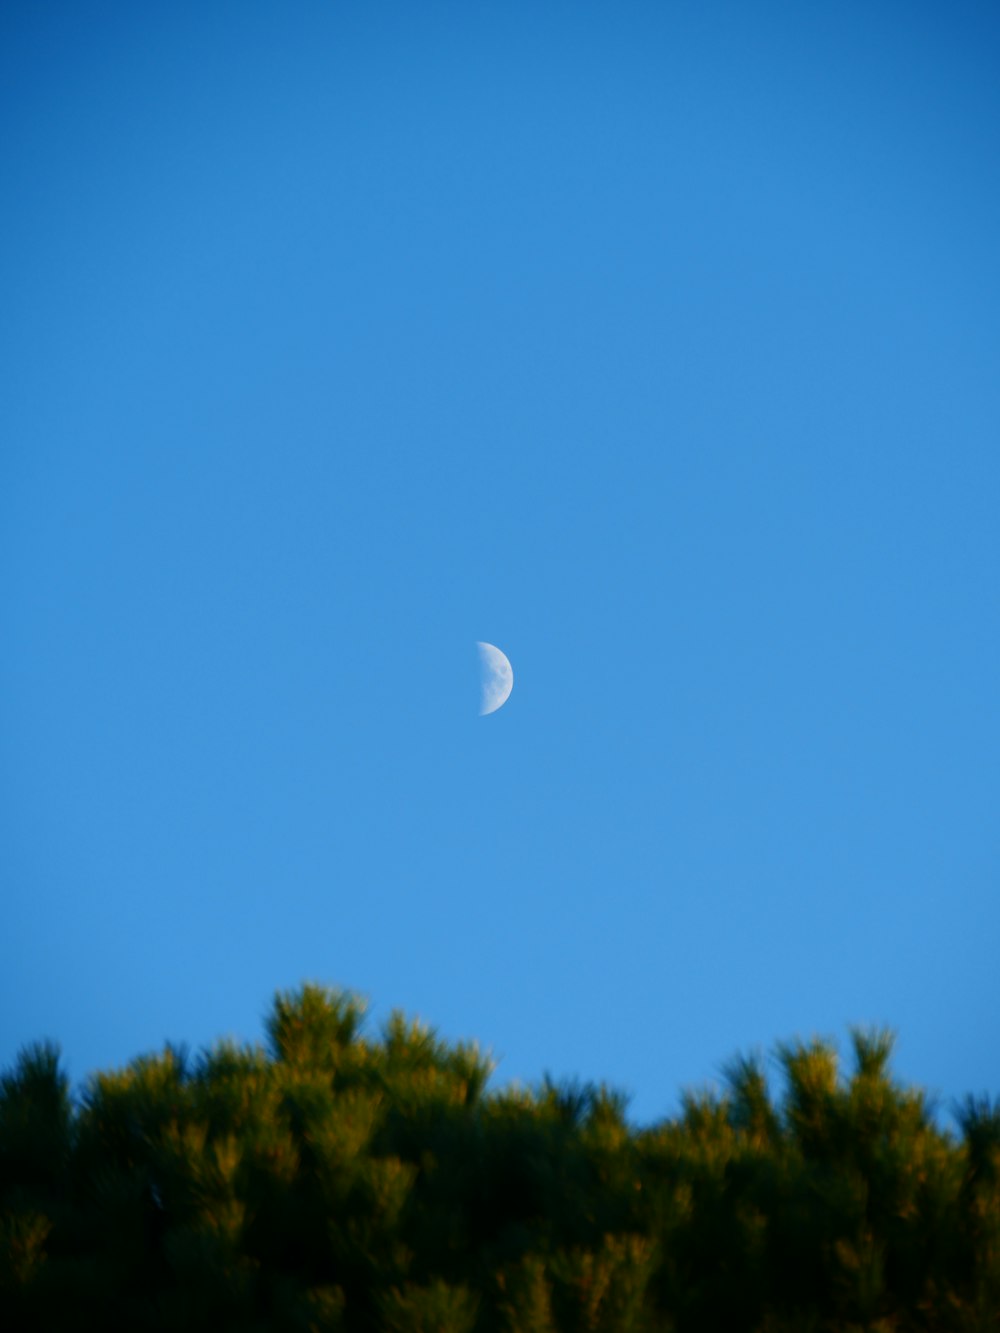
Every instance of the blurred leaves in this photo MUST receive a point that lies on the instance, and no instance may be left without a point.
(338, 1181)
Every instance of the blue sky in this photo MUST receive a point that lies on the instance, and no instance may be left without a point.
(656, 344)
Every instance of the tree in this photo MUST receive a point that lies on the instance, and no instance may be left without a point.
(334, 1180)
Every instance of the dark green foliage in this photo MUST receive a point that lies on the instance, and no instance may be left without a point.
(338, 1182)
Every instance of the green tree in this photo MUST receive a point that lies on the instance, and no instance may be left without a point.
(334, 1180)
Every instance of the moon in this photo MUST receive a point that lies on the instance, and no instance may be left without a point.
(496, 678)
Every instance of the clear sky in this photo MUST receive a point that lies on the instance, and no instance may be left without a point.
(655, 343)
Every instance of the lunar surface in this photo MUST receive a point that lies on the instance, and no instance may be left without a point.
(496, 679)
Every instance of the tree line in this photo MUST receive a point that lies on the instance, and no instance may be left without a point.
(333, 1180)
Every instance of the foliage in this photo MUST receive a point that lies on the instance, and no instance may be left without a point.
(334, 1181)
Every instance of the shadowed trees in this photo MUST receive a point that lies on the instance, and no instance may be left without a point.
(336, 1181)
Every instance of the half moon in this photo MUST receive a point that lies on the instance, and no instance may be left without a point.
(496, 677)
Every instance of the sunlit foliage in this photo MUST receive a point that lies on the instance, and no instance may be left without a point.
(338, 1181)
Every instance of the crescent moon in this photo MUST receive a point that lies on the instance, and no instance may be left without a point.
(496, 678)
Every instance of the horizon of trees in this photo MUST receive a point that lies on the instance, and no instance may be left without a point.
(334, 1180)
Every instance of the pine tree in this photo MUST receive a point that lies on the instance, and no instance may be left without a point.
(334, 1180)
